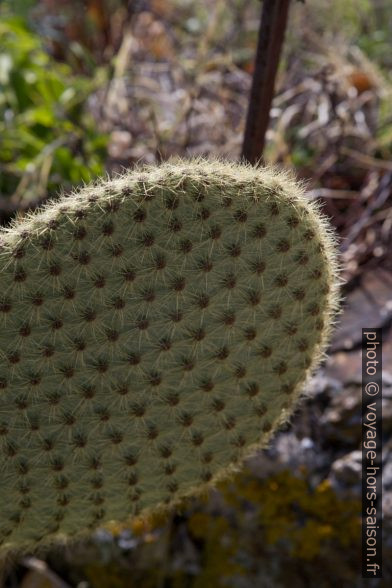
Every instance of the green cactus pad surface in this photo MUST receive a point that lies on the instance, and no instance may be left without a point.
(155, 329)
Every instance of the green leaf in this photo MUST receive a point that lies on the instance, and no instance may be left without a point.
(43, 114)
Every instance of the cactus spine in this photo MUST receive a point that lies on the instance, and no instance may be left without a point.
(154, 330)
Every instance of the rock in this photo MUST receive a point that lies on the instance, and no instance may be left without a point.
(346, 472)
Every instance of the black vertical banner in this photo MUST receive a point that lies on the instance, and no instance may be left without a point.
(371, 453)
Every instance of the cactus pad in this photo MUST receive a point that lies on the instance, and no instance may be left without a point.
(154, 330)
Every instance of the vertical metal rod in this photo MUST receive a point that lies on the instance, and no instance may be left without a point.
(271, 35)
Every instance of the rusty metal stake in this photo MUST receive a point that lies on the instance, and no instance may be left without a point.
(271, 34)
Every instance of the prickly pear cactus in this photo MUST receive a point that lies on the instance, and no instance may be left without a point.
(154, 330)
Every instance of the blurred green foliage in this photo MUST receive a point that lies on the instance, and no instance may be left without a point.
(48, 139)
(345, 18)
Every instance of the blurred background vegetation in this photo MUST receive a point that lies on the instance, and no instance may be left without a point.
(88, 87)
